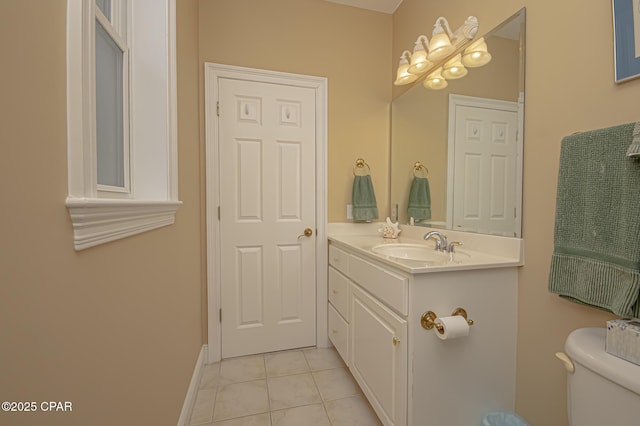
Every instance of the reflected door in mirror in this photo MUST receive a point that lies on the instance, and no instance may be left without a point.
(485, 165)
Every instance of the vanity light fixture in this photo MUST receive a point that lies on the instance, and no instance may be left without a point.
(435, 81)
(403, 76)
(419, 61)
(426, 53)
(444, 41)
(453, 68)
(476, 55)
(440, 42)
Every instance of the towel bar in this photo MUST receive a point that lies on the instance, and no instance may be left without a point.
(419, 168)
(361, 164)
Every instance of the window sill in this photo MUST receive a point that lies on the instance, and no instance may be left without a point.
(98, 221)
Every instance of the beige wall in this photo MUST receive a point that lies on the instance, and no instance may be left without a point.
(348, 46)
(115, 329)
(569, 88)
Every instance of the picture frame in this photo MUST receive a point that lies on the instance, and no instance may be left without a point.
(626, 35)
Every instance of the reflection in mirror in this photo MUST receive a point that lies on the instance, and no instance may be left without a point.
(469, 137)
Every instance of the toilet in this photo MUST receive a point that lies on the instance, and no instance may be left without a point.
(602, 389)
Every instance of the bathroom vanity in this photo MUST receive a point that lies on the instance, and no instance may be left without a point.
(378, 293)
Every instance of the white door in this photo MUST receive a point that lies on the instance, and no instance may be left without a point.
(267, 201)
(485, 169)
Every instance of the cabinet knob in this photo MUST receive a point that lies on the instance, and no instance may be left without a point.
(396, 341)
(334, 331)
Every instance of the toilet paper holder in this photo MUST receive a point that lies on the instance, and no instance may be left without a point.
(428, 319)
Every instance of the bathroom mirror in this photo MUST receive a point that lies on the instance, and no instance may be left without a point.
(469, 138)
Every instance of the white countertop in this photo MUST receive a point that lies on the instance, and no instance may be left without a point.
(477, 251)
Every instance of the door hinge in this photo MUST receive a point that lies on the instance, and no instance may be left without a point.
(218, 108)
(218, 212)
(220, 314)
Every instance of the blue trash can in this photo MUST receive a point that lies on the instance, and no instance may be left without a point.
(503, 418)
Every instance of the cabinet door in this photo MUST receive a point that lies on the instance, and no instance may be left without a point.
(339, 333)
(379, 356)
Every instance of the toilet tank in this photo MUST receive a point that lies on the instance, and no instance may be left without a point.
(603, 389)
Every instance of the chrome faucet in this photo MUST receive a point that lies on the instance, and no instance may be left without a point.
(441, 241)
(439, 238)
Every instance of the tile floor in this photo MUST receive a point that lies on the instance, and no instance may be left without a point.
(307, 387)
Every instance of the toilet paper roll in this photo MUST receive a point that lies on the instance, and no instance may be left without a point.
(454, 327)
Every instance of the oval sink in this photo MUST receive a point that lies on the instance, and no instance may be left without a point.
(407, 251)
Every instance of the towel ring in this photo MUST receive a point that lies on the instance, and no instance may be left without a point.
(361, 164)
(418, 169)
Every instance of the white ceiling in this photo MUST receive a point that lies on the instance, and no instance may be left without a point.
(511, 30)
(386, 6)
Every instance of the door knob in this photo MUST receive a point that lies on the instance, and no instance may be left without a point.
(307, 233)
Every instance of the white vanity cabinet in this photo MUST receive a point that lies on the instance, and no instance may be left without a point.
(409, 375)
(375, 348)
(338, 308)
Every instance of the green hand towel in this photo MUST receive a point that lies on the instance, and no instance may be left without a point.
(634, 148)
(419, 206)
(596, 256)
(365, 207)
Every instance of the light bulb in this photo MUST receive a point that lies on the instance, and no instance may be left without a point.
(439, 47)
(435, 80)
(476, 55)
(454, 69)
(403, 76)
(419, 61)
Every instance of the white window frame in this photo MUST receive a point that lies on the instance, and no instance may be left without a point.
(96, 217)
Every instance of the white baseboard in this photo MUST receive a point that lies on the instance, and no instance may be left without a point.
(192, 392)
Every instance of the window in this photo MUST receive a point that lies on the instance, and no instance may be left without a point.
(112, 98)
(121, 115)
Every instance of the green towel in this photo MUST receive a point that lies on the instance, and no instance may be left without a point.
(419, 206)
(634, 148)
(596, 255)
(365, 207)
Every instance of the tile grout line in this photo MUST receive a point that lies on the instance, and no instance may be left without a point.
(218, 388)
(324, 402)
(266, 381)
(213, 409)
